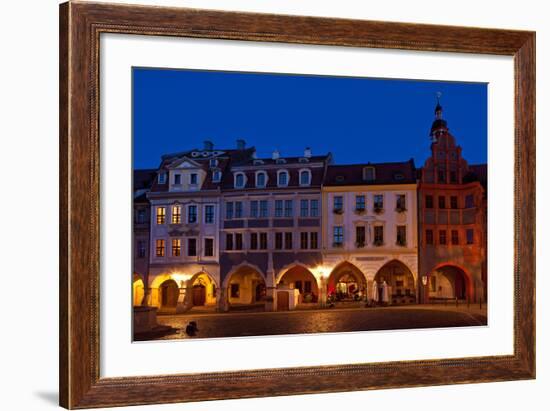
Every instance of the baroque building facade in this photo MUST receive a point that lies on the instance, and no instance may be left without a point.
(222, 229)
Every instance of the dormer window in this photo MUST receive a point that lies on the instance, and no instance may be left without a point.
(216, 176)
(261, 179)
(258, 162)
(369, 174)
(240, 180)
(398, 176)
(303, 160)
(213, 162)
(280, 161)
(305, 177)
(282, 178)
(193, 179)
(162, 178)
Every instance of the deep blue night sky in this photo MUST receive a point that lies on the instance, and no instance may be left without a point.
(357, 119)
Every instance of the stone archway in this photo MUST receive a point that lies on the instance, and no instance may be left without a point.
(346, 283)
(245, 288)
(168, 295)
(203, 290)
(449, 281)
(400, 282)
(138, 290)
(299, 277)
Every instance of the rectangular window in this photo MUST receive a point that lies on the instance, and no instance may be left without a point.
(253, 241)
(254, 209)
(429, 201)
(162, 178)
(263, 208)
(288, 241)
(238, 209)
(303, 241)
(360, 203)
(235, 292)
(441, 200)
(453, 177)
(378, 235)
(229, 211)
(193, 179)
(263, 241)
(400, 202)
(229, 241)
(429, 237)
(192, 214)
(159, 248)
(176, 247)
(360, 236)
(176, 214)
(238, 241)
(177, 178)
(208, 247)
(469, 236)
(288, 208)
(278, 208)
(454, 202)
(314, 208)
(304, 208)
(191, 247)
(141, 250)
(313, 240)
(401, 235)
(279, 241)
(209, 214)
(442, 237)
(338, 236)
(454, 237)
(338, 204)
(161, 215)
(469, 201)
(283, 179)
(378, 202)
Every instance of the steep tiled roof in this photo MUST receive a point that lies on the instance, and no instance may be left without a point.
(143, 178)
(385, 173)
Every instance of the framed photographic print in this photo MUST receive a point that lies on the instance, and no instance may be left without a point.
(259, 205)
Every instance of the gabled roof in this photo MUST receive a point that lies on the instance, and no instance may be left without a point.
(384, 173)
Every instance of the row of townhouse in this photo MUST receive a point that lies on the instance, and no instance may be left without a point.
(225, 229)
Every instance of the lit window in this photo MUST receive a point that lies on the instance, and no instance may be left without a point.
(161, 215)
(208, 214)
(176, 247)
(159, 248)
(176, 214)
(192, 214)
(305, 177)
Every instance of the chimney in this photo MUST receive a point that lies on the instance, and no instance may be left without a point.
(275, 155)
(241, 144)
(307, 152)
(208, 145)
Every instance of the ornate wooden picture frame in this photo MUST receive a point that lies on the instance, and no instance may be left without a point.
(80, 27)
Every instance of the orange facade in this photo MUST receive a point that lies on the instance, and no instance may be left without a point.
(452, 222)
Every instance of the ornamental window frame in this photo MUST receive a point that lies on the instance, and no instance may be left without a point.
(235, 178)
(266, 178)
(279, 173)
(304, 170)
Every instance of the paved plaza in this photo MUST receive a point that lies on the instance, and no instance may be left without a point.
(320, 321)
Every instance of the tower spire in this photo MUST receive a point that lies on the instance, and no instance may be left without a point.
(439, 125)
